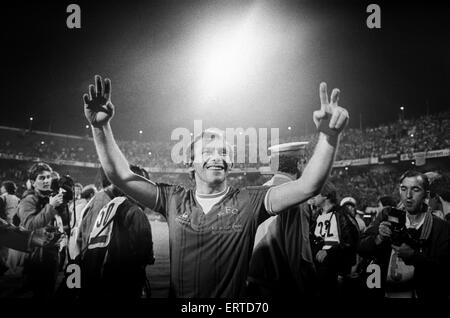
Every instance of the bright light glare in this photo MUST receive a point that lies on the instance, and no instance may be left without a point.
(230, 55)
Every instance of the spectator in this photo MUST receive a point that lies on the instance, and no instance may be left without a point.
(78, 188)
(38, 210)
(349, 205)
(282, 265)
(8, 195)
(415, 256)
(441, 189)
(118, 249)
(334, 238)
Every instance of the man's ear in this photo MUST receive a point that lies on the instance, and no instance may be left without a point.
(32, 182)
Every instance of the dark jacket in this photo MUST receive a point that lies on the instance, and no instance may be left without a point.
(41, 266)
(431, 260)
(35, 212)
(14, 237)
(341, 256)
(114, 263)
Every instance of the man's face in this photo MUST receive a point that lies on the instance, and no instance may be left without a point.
(319, 200)
(211, 161)
(380, 207)
(43, 181)
(2, 190)
(351, 209)
(412, 194)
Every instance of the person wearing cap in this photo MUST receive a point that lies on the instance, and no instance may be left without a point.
(286, 164)
(349, 204)
(212, 227)
(334, 239)
(282, 264)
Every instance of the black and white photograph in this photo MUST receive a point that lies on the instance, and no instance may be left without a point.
(225, 156)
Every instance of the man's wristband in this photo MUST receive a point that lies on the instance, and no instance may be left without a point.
(324, 126)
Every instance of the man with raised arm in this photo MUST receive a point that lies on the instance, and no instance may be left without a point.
(212, 228)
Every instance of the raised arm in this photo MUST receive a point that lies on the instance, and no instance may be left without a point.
(99, 110)
(319, 166)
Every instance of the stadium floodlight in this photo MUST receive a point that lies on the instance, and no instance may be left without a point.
(87, 126)
(30, 126)
(140, 132)
(402, 108)
(231, 53)
(289, 128)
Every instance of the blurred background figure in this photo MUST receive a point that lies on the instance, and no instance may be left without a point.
(440, 192)
(349, 205)
(9, 197)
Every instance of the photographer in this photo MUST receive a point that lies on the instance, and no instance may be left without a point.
(412, 246)
(37, 210)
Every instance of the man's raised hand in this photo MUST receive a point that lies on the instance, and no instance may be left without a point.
(339, 115)
(98, 108)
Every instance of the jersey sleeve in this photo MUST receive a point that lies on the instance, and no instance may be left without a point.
(165, 193)
(257, 197)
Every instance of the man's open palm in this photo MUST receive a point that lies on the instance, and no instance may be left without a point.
(98, 108)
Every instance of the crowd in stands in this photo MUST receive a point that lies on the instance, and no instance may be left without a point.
(404, 136)
(364, 184)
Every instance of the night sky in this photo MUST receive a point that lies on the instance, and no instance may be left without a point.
(148, 50)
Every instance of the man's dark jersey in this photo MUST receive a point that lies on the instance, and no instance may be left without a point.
(210, 253)
(119, 247)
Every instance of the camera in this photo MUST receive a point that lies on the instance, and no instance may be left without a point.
(397, 218)
(65, 185)
(400, 234)
(316, 243)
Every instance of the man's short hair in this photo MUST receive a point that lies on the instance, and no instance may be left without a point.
(420, 175)
(210, 134)
(37, 169)
(10, 186)
(55, 175)
(387, 201)
(329, 191)
(441, 186)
